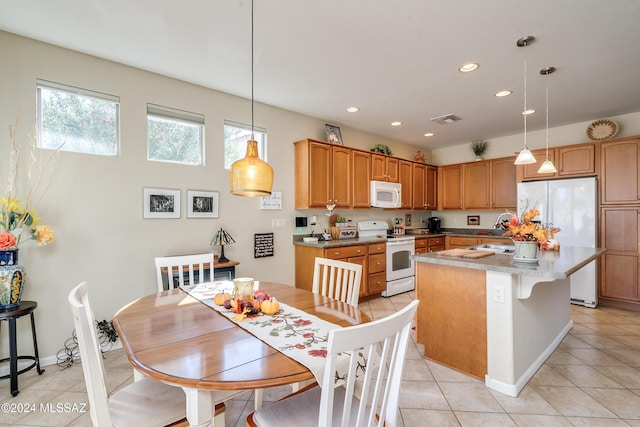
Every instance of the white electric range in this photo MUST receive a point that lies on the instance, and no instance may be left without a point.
(400, 248)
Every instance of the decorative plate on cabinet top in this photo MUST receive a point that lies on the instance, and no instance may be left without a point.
(602, 129)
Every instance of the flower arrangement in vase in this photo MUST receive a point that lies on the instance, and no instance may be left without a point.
(479, 146)
(17, 216)
(525, 229)
(528, 235)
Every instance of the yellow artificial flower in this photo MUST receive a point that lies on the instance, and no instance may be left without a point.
(43, 234)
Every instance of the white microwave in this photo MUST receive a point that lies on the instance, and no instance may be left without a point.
(386, 194)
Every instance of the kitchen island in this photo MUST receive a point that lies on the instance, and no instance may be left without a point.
(492, 318)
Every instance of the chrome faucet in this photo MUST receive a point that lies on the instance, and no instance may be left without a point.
(499, 221)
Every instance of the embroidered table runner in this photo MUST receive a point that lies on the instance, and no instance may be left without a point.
(299, 335)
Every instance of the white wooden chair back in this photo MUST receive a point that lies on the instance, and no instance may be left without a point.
(176, 266)
(379, 395)
(368, 400)
(337, 279)
(89, 346)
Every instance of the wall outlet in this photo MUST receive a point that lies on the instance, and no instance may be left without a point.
(314, 220)
(498, 294)
(278, 223)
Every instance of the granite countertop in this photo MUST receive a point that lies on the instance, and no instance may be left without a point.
(551, 264)
(456, 232)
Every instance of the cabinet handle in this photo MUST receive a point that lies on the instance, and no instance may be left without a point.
(337, 253)
(358, 251)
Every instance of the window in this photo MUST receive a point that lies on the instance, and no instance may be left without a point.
(175, 136)
(77, 120)
(235, 142)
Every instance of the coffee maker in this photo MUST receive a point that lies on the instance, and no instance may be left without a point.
(433, 224)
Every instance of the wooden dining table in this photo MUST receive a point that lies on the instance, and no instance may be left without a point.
(174, 338)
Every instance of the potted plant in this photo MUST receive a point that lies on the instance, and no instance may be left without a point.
(384, 149)
(479, 146)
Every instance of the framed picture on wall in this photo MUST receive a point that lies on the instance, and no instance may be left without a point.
(333, 134)
(202, 204)
(161, 203)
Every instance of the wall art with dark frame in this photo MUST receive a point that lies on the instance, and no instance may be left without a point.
(333, 134)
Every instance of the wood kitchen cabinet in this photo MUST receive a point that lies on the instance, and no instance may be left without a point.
(419, 194)
(450, 187)
(421, 245)
(620, 284)
(361, 171)
(475, 185)
(435, 244)
(323, 175)
(452, 242)
(571, 160)
(372, 257)
(385, 168)
(431, 187)
(503, 183)
(620, 177)
(490, 184)
(377, 269)
(406, 180)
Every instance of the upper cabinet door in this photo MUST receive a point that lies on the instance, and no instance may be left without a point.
(504, 186)
(419, 186)
(319, 175)
(450, 185)
(576, 160)
(360, 173)
(341, 176)
(476, 185)
(431, 193)
(406, 180)
(620, 180)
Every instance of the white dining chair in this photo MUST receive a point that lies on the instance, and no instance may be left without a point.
(367, 401)
(173, 268)
(145, 402)
(337, 279)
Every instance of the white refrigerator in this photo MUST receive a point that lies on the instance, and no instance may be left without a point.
(570, 204)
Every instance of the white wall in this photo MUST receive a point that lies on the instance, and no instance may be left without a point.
(94, 203)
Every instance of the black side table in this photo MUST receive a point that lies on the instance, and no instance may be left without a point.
(12, 314)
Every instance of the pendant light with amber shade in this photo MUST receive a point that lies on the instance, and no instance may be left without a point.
(251, 176)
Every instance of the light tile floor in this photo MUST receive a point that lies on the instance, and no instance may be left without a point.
(592, 379)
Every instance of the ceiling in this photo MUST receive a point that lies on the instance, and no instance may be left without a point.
(395, 60)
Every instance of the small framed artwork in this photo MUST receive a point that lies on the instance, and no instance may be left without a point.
(333, 134)
(202, 204)
(473, 219)
(407, 220)
(161, 203)
(274, 201)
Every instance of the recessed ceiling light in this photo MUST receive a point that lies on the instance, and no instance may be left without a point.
(353, 109)
(467, 68)
(429, 134)
(503, 93)
(527, 112)
(396, 123)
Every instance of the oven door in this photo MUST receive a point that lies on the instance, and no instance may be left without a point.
(399, 262)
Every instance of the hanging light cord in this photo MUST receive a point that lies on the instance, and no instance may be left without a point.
(524, 112)
(547, 118)
(252, 134)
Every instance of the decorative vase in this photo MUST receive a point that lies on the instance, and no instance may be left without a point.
(526, 251)
(478, 158)
(12, 278)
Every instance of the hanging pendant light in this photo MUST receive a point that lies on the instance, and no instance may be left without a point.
(525, 157)
(251, 176)
(547, 166)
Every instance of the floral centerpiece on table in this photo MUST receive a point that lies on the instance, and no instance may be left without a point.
(525, 229)
(17, 216)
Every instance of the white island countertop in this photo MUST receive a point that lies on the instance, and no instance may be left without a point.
(551, 264)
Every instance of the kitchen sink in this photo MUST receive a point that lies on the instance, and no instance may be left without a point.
(499, 249)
